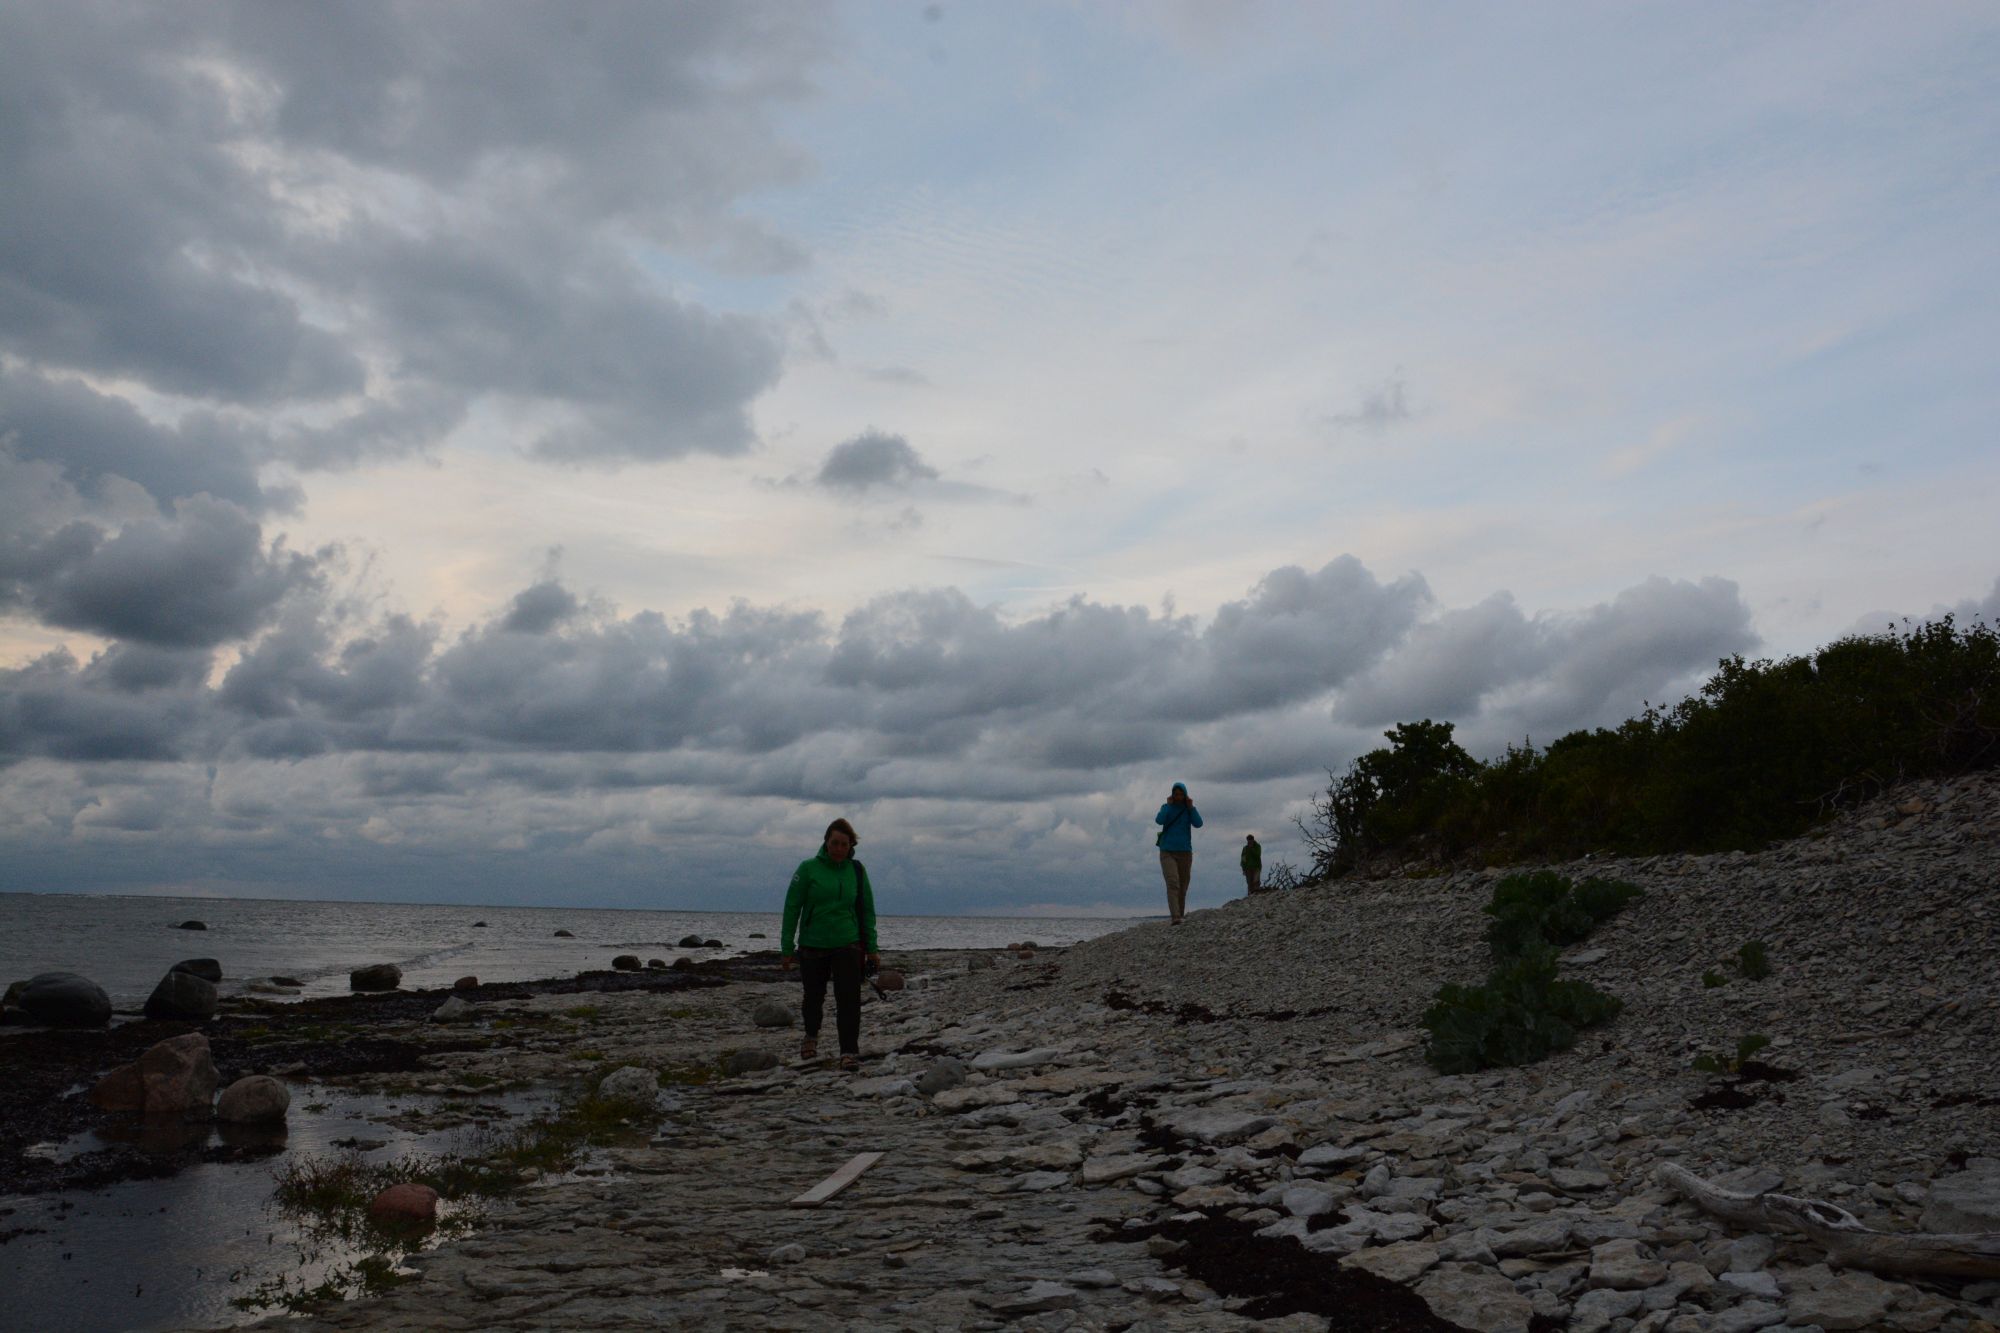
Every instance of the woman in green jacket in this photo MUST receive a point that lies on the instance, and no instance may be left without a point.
(830, 916)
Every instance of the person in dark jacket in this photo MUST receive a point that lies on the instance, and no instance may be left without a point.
(1252, 863)
(1178, 819)
(829, 934)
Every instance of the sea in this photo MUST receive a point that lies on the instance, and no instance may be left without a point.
(208, 1246)
(126, 943)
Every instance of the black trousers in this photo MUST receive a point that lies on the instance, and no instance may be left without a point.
(843, 968)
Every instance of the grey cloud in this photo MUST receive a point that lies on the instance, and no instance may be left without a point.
(1555, 672)
(91, 437)
(873, 458)
(202, 578)
(539, 609)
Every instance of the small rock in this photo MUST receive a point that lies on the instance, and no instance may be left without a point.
(711, 944)
(1402, 1262)
(453, 1010)
(945, 1073)
(1851, 1300)
(690, 942)
(564, 935)
(479, 925)
(404, 1203)
(1595, 1310)
(1623, 1266)
(377, 976)
(1475, 1297)
(626, 962)
(656, 964)
(1038, 1298)
(465, 983)
(1965, 1202)
(257, 1099)
(192, 925)
(888, 979)
(1758, 1284)
(630, 1083)
(748, 1062)
(771, 1014)
(794, 1253)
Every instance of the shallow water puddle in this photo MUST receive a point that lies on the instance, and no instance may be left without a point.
(149, 1254)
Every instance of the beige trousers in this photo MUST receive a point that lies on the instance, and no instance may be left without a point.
(1177, 868)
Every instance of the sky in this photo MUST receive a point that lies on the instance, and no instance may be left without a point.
(545, 453)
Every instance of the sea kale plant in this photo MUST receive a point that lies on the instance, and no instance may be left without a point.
(1523, 1010)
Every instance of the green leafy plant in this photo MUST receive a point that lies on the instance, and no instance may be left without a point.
(1753, 962)
(1546, 909)
(1712, 978)
(1746, 1046)
(1521, 1013)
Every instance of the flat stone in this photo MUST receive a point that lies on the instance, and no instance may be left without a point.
(1595, 1310)
(1623, 1266)
(1039, 1297)
(1579, 1180)
(1967, 1201)
(1544, 1237)
(989, 1061)
(1748, 1316)
(1034, 1182)
(1309, 1200)
(1402, 1262)
(1476, 1298)
(1206, 1125)
(1851, 1300)
(1333, 1155)
(1759, 1284)
(1104, 1170)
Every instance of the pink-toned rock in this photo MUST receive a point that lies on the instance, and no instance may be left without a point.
(180, 1077)
(404, 1203)
(888, 979)
(257, 1099)
(465, 983)
(1024, 953)
(120, 1090)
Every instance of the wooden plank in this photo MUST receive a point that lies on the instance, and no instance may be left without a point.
(838, 1181)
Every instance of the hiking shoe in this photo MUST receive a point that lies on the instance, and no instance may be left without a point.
(850, 1063)
(809, 1049)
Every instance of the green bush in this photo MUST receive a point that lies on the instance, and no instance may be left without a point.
(1746, 1046)
(1762, 751)
(1753, 961)
(1521, 1013)
(1544, 908)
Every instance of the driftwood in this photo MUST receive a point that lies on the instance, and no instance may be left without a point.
(1847, 1242)
(838, 1181)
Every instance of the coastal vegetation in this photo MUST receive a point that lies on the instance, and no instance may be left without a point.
(1763, 750)
(1523, 1010)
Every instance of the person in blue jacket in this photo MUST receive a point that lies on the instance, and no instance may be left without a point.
(1178, 819)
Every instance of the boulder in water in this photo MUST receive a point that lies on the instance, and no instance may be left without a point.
(179, 1075)
(453, 1010)
(564, 935)
(681, 965)
(182, 995)
(479, 925)
(659, 963)
(256, 1100)
(690, 942)
(377, 976)
(192, 925)
(465, 983)
(711, 944)
(626, 962)
(65, 1000)
(293, 982)
(759, 935)
(407, 1202)
(208, 969)
(771, 1014)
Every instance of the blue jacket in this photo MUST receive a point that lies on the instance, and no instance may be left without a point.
(1180, 831)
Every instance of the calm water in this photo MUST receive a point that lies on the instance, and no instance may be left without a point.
(125, 944)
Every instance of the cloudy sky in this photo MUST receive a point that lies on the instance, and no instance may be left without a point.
(566, 453)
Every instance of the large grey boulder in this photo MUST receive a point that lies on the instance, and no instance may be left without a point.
(626, 962)
(65, 1000)
(208, 969)
(748, 1062)
(691, 942)
(256, 1100)
(453, 1010)
(182, 995)
(771, 1014)
(378, 976)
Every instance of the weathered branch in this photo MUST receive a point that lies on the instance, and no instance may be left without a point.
(1846, 1241)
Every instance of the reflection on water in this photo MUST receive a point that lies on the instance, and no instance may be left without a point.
(151, 1254)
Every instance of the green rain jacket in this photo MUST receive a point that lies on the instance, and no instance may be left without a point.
(1252, 858)
(820, 905)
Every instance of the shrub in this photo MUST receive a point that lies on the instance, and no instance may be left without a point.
(1544, 908)
(1746, 1046)
(1752, 961)
(1521, 1013)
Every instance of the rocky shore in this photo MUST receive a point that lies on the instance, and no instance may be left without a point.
(1231, 1123)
